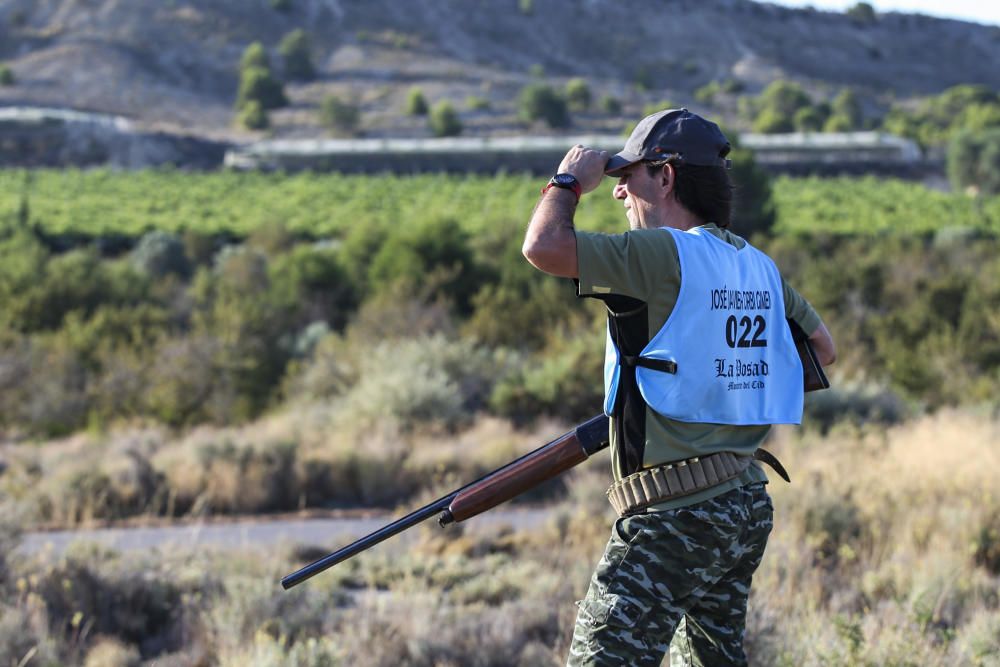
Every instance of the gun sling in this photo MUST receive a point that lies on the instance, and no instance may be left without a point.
(645, 488)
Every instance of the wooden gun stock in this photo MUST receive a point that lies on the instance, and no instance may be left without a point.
(529, 471)
(485, 493)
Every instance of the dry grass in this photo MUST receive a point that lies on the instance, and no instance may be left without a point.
(886, 551)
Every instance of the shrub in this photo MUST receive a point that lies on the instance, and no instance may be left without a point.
(6, 76)
(296, 53)
(339, 115)
(808, 119)
(444, 120)
(432, 380)
(539, 102)
(477, 103)
(438, 245)
(283, 6)
(560, 385)
(257, 85)
(416, 104)
(974, 161)
(159, 254)
(255, 56)
(777, 105)
(610, 105)
(578, 94)
(862, 12)
(754, 210)
(847, 106)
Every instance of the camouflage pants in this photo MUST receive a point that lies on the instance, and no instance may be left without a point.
(678, 581)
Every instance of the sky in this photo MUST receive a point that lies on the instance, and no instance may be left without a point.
(980, 11)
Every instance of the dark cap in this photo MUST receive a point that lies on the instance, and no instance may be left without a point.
(674, 131)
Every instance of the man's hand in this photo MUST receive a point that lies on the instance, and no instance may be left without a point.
(586, 164)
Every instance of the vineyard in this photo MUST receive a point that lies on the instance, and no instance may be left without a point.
(97, 203)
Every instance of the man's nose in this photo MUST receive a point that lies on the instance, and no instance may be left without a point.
(619, 191)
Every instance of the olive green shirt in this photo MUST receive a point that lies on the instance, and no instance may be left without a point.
(643, 264)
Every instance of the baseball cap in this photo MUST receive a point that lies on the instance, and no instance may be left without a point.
(674, 131)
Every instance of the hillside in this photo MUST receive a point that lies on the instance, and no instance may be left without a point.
(173, 64)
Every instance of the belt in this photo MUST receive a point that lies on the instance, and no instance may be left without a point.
(639, 490)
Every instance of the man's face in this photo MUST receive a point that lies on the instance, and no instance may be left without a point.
(643, 195)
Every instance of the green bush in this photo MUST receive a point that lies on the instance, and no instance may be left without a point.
(777, 105)
(937, 119)
(561, 384)
(754, 212)
(6, 76)
(974, 161)
(255, 56)
(420, 249)
(540, 102)
(283, 6)
(862, 12)
(578, 95)
(159, 254)
(847, 106)
(808, 119)
(296, 54)
(444, 120)
(257, 85)
(339, 115)
(477, 103)
(416, 104)
(610, 105)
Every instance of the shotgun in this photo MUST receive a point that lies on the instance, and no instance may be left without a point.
(504, 483)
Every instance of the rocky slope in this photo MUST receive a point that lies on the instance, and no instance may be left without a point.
(172, 64)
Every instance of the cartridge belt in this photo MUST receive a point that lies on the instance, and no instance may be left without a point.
(681, 478)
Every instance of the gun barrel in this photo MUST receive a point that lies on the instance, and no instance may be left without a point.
(366, 542)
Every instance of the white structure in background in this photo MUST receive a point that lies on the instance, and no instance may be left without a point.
(541, 153)
(832, 147)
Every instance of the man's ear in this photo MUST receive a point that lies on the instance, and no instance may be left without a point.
(668, 176)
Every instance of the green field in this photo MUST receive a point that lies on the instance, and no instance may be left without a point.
(101, 202)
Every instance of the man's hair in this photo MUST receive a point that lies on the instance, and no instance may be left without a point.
(705, 191)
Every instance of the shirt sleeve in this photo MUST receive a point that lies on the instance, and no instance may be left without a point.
(800, 310)
(630, 264)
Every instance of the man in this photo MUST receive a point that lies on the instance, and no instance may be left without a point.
(700, 364)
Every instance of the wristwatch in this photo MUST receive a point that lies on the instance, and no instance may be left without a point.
(566, 182)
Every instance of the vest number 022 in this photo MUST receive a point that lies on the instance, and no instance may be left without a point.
(738, 333)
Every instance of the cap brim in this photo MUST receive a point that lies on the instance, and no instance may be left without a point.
(619, 162)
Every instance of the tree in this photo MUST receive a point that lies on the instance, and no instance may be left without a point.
(6, 76)
(808, 119)
(256, 82)
(862, 12)
(253, 116)
(444, 120)
(753, 204)
(257, 85)
(538, 101)
(578, 94)
(296, 53)
(339, 115)
(974, 161)
(777, 105)
(847, 106)
(255, 56)
(416, 103)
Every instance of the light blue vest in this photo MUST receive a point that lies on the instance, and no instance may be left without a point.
(736, 361)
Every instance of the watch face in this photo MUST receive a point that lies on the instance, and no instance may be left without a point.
(564, 179)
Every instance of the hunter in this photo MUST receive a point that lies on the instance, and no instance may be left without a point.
(700, 363)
